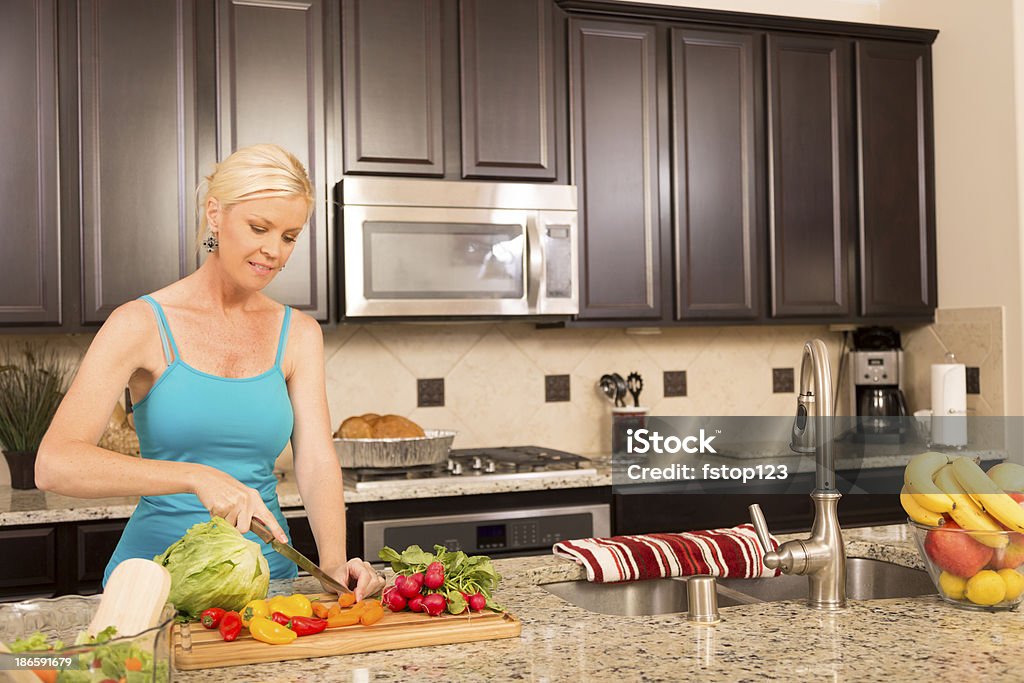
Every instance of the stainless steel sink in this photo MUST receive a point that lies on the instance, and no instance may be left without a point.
(865, 580)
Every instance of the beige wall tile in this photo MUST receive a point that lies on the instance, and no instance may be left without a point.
(494, 373)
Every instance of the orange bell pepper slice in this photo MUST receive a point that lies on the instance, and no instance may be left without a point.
(320, 610)
(347, 599)
(349, 618)
(371, 615)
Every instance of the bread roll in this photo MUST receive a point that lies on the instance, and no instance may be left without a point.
(355, 428)
(395, 427)
(370, 417)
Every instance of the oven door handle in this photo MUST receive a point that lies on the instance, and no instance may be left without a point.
(535, 263)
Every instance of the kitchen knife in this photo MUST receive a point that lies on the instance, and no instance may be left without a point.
(258, 528)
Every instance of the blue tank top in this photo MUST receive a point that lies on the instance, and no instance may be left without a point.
(238, 425)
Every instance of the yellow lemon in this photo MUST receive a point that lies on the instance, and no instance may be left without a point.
(1014, 583)
(952, 586)
(985, 588)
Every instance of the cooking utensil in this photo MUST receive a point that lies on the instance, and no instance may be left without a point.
(635, 384)
(607, 386)
(133, 598)
(620, 390)
(414, 451)
(260, 529)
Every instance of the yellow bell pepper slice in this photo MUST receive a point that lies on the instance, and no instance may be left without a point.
(271, 632)
(297, 605)
(255, 608)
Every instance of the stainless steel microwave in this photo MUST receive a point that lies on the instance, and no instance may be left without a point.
(415, 247)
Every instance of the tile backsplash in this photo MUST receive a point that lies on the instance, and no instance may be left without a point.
(493, 378)
(975, 336)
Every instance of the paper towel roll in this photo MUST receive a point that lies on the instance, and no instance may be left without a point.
(949, 404)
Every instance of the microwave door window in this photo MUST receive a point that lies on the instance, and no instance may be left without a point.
(409, 260)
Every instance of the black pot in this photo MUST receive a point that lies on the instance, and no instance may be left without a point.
(23, 468)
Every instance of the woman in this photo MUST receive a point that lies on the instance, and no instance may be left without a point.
(211, 417)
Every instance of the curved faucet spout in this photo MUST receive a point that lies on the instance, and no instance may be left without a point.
(815, 409)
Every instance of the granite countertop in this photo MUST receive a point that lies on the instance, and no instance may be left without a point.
(896, 639)
(40, 507)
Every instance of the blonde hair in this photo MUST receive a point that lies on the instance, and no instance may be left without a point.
(253, 172)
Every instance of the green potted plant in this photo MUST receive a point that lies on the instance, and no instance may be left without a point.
(32, 384)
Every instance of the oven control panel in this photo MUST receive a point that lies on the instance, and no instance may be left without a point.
(515, 532)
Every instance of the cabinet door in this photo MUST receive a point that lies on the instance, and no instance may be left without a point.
(138, 175)
(391, 67)
(271, 89)
(810, 191)
(30, 257)
(28, 566)
(94, 544)
(897, 198)
(615, 133)
(507, 64)
(717, 163)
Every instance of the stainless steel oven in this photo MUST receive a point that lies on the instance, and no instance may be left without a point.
(416, 247)
(505, 533)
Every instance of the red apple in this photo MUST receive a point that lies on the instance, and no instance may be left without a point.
(1010, 557)
(956, 552)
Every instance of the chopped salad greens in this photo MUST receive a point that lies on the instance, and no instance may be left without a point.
(102, 657)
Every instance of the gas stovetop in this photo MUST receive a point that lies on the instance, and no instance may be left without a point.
(513, 462)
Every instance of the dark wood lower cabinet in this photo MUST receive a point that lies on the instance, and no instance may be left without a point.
(28, 564)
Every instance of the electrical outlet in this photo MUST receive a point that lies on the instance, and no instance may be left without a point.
(675, 383)
(556, 388)
(782, 381)
(430, 392)
(973, 380)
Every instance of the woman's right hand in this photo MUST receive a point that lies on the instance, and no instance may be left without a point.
(224, 496)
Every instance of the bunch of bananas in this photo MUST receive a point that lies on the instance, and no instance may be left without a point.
(936, 484)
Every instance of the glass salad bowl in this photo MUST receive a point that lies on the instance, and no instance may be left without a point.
(42, 634)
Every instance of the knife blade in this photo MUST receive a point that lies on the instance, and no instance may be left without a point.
(260, 529)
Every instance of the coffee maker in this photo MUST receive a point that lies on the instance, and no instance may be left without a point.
(876, 384)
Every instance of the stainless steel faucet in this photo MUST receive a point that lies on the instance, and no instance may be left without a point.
(822, 557)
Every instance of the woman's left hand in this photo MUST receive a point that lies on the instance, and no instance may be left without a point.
(358, 575)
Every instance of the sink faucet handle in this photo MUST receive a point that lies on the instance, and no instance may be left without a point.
(760, 527)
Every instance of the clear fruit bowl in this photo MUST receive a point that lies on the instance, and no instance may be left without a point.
(142, 658)
(973, 569)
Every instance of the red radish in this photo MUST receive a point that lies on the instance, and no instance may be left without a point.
(395, 601)
(434, 578)
(415, 603)
(406, 586)
(477, 602)
(434, 604)
(418, 578)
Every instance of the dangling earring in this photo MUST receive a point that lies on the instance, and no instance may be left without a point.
(211, 243)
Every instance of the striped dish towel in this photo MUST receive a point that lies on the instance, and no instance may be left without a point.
(733, 553)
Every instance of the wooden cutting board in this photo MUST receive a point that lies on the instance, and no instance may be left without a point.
(195, 647)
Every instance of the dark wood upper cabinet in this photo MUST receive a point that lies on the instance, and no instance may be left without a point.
(615, 129)
(897, 202)
(508, 89)
(138, 176)
(391, 68)
(811, 195)
(271, 88)
(30, 278)
(718, 173)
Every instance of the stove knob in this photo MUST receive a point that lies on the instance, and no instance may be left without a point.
(451, 465)
(456, 469)
(477, 464)
(490, 466)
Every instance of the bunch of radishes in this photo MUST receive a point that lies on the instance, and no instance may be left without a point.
(435, 583)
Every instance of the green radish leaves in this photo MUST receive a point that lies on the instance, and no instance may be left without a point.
(463, 574)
